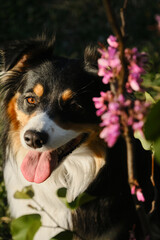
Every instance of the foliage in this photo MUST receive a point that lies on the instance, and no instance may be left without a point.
(25, 227)
(79, 201)
(26, 193)
(67, 235)
(152, 129)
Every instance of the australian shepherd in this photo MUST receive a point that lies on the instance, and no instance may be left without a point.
(51, 140)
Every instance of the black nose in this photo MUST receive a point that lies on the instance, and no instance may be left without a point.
(35, 139)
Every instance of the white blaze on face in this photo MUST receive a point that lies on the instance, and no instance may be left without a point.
(57, 135)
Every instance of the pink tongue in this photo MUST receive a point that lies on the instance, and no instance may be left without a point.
(37, 167)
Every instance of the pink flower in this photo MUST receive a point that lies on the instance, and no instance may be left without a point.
(112, 41)
(112, 107)
(110, 134)
(136, 64)
(138, 193)
(99, 103)
(107, 77)
(140, 196)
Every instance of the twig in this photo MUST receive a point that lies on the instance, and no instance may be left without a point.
(116, 30)
(154, 187)
(122, 15)
(53, 220)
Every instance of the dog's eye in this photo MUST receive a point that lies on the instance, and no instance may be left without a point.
(31, 100)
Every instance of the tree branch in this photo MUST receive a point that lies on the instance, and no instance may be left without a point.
(128, 134)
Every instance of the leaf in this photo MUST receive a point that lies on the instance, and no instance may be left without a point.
(62, 192)
(25, 227)
(152, 124)
(147, 145)
(26, 193)
(157, 150)
(80, 200)
(149, 98)
(65, 235)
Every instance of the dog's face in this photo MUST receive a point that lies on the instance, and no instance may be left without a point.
(48, 102)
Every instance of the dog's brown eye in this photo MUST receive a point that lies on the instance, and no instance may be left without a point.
(31, 100)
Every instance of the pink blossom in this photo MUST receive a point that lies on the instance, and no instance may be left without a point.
(138, 125)
(113, 106)
(102, 62)
(107, 77)
(134, 84)
(133, 113)
(99, 103)
(138, 193)
(110, 134)
(112, 41)
(140, 196)
(136, 64)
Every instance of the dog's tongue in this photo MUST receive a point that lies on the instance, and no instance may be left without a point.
(37, 167)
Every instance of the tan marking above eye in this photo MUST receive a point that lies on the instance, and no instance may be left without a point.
(67, 94)
(38, 90)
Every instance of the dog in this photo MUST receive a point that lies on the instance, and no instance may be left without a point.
(51, 141)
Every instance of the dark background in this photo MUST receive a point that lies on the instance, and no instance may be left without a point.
(77, 23)
(74, 22)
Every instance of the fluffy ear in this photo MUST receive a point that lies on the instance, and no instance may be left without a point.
(91, 56)
(22, 53)
(13, 53)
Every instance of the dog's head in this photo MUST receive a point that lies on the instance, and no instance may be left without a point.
(48, 102)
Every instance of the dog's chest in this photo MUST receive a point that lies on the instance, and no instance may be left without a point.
(75, 173)
(54, 214)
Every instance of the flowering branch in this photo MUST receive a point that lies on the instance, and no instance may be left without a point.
(122, 69)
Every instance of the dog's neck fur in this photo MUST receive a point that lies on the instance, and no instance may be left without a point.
(75, 173)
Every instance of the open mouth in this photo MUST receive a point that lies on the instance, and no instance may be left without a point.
(38, 166)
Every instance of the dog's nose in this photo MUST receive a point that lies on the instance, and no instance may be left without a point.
(35, 139)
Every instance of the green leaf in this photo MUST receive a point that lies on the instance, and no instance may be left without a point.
(80, 200)
(65, 235)
(25, 227)
(26, 193)
(152, 124)
(149, 98)
(157, 149)
(147, 145)
(62, 192)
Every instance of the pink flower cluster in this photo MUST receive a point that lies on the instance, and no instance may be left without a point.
(136, 63)
(111, 108)
(110, 65)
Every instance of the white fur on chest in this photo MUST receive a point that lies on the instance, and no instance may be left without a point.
(75, 173)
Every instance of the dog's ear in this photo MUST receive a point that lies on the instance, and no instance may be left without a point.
(12, 54)
(25, 53)
(91, 56)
